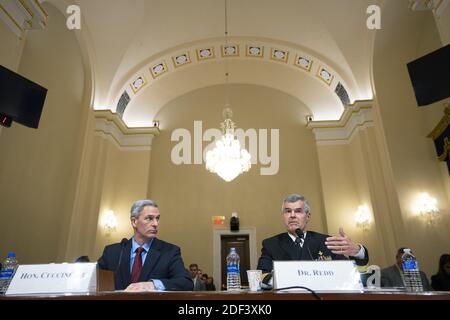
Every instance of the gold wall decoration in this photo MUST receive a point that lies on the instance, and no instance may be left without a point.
(158, 69)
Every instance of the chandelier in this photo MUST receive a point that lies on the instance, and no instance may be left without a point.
(227, 159)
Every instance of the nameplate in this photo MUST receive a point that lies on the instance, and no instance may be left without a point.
(54, 278)
(317, 275)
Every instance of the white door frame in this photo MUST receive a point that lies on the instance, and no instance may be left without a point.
(217, 259)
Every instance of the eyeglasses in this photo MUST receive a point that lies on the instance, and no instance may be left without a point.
(296, 210)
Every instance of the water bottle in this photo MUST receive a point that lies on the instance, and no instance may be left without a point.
(411, 274)
(9, 267)
(233, 271)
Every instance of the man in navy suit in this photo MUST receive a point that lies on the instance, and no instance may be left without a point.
(299, 244)
(145, 263)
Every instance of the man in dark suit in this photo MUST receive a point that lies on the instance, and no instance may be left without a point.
(145, 263)
(299, 244)
(393, 276)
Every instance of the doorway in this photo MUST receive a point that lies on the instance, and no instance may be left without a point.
(244, 241)
(242, 245)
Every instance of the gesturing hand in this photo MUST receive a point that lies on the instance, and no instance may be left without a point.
(342, 244)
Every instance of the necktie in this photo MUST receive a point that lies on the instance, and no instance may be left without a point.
(298, 246)
(137, 265)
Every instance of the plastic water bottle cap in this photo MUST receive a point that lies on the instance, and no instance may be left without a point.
(11, 254)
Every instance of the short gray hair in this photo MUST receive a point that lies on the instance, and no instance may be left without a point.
(137, 207)
(294, 198)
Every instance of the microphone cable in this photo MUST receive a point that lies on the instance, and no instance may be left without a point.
(315, 295)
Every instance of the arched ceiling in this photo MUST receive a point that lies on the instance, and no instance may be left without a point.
(130, 37)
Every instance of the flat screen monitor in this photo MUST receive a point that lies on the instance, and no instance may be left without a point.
(430, 76)
(21, 100)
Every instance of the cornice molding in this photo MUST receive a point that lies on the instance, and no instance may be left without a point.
(356, 116)
(109, 125)
(297, 58)
(22, 15)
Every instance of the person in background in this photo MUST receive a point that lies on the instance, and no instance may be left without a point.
(298, 243)
(199, 285)
(210, 286)
(144, 262)
(82, 259)
(393, 276)
(441, 280)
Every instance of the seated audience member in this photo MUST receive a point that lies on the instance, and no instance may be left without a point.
(210, 286)
(441, 280)
(393, 276)
(144, 262)
(199, 285)
(298, 243)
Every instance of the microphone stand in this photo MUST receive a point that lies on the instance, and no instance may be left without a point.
(123, 243)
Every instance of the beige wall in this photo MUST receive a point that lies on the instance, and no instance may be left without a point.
(189, 195)
(352, 175)
(125, 181)
(111, 178)
(11, 48)
(412, 157)
(38, 167)
(349, 173)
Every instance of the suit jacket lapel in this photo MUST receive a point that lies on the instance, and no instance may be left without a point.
(150, 261)
(125, 265)
(288, 246)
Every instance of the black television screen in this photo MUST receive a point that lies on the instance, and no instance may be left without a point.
(21, 100)
(430, 76)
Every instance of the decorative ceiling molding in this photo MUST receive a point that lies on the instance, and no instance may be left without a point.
(355, 117)
(230, 50)
(181, 59)
(437, 6)
(138, 83)
(303, 62)
(158, 69)
(254, 51)
(205, 53)
(21, 15)
(325, 75)
(267, 52)
(110, 126)
(279, 55)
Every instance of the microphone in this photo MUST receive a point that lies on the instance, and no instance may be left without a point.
(123, 243)
(301, 235)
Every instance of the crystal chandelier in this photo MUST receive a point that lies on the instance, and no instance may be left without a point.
(227, 159)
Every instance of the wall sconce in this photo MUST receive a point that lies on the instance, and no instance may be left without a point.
(362, 217)
(109, 221)
(426, 207)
